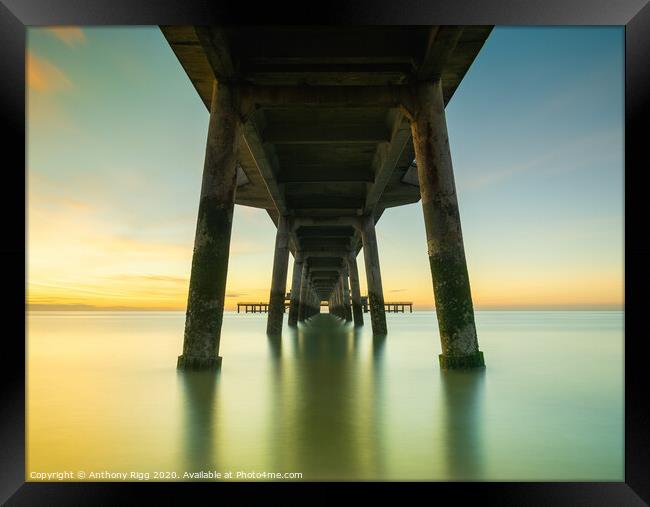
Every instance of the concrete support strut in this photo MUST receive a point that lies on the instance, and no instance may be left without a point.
(279, 278)
(296, 279)
(355, 290)
(205, 300)
(373, 276)
(451, 286)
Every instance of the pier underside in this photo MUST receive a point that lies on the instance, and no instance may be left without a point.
(320, 127)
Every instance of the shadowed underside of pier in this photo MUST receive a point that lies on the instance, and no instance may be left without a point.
(320, 127)
(323, 160)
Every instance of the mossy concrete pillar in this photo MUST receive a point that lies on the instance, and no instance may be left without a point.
(315, 302)
(279, 278)
(373, 276)
(296, 279)
(207, 289)
(355, 290)
(345, 292)
(339, 300)
(451, 286)
(304, 288)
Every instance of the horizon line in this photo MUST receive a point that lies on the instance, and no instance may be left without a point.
(90, 308)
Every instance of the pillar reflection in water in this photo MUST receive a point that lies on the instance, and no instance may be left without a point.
(378, 397)
(280, 394)
(462, 394)
(199, 397)
(322, 420)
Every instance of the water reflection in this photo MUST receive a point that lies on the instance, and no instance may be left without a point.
(319, 419)
(328, 400)
(200, 409)
(462, 394)
(377, 383)
(279, 396)
(326, 436)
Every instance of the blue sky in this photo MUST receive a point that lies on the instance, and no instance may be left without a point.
(116, 137)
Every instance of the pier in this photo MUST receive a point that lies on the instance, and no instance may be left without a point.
(263, 306)
(326, 128)
(399, 306)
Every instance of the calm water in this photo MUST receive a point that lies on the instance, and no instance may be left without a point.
(329, 401)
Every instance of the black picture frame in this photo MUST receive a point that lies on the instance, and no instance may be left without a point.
(16, 15)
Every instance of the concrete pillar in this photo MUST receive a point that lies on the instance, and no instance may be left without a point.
(355, 289)
(302, 300)
(296, 280)
(345, 291)
(316, 303)
(279, 279)
(337, 298)
(451, 288)
(308, 300)
(373, 276)
(212, 238)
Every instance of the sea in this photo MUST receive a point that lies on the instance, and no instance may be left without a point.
(326, 401)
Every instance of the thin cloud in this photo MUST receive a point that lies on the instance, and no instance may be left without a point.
(552, 160)
(72, 36)
(151, 278)
(44, 76)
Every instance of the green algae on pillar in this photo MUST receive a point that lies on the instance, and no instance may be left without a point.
(373, 276)
(347, 310)
(279, 278)
(304, 289)
(205, 300)
(451, 287)
(355, 289)
(294, 305)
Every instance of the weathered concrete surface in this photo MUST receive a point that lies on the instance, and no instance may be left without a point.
(339, 299)
(357, 310)
(212, 240)
(279, 278)
(304, 290)
(373, 276)
(345, 292)
(294, 304)
(451, 286)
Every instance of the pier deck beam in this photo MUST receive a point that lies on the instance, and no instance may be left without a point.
(451, 286)
(373, 276)
(296, 279)
(355, 289)
(279, 279)
(205, 301)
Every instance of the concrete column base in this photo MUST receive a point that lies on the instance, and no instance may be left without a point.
(198, 363)
(475, 360)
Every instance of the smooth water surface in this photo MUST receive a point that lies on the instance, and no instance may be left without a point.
(328, 400)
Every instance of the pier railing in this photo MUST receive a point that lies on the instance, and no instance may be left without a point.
(263, 306)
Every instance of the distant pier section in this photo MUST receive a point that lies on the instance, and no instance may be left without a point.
(263, 307)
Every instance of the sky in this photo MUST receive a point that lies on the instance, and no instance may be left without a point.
(115, 144)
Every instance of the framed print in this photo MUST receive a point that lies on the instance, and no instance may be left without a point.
(378, 243)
